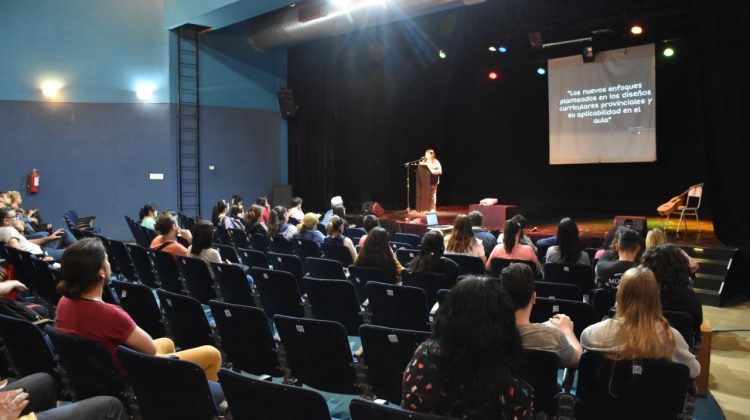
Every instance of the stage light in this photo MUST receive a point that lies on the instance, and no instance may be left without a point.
(668, 52)
(442, 54)
(492, 48)
(541, 71)
(50, 88)
(636, 29)
(493, 75)
(145, 90)
(502, 50)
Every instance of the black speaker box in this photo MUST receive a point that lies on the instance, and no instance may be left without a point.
(286, 103)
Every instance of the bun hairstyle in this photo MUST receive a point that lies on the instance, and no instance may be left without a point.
(334, 224)
(146, 210)
(81, 263)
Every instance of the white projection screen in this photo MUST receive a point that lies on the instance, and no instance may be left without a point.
(604, 111)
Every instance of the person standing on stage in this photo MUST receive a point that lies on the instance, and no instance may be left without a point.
(436, 170)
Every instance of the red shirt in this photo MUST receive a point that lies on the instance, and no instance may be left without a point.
(105, 323)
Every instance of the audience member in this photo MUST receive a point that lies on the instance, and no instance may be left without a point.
(377, 252)
(262, 201)
(295, 211)
(488, 239)
(609, 272)
(48, 248)
(468, 368)
(32, 219)
(369, 222)
(236, 203)
(556, 335)
(335, 201)
(461, 240)
(253, 223)
(430, 258)
(202, 246)
(335, 231)
(340, 211)
(608, 251)
(568, 249)
(82, 312)
(166, 225)
(278, 223)
(148, 214)
(670, 266)
(219, 216)
(656, 237)
(308, 229)
(522, 223)
(512, 249)
(638, 330)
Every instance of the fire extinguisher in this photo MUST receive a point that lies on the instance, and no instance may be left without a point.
(34, 181)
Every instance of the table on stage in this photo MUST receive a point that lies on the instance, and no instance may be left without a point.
(495, 215)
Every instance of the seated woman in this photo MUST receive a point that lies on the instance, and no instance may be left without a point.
(252, 221)
(377, 253)
(262, 201)
(672, 271)
(295, 211)
(82, 312)
(568, 249)
(220, 216)
(202, 246)
(608, 250)
(147, 214)
(525, 240)
(468, 368)
(511, 249)
(278, 223)
(656, 237)
(462, 241)
(308, 229)
(166, 225)
(335, 231)
(430, 257)
(638, 329)
(369, 222)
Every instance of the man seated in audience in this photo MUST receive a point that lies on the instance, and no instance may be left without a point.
(628, 247)
(487, 238)
(166, 225)
(47, 248)
(335, 201)
(556, 335)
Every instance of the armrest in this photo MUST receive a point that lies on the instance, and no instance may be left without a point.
(568, 377)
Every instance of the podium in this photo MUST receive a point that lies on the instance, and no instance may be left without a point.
(424, 199)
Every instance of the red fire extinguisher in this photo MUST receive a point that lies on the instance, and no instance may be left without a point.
(34, 181)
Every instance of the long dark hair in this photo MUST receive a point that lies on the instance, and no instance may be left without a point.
(219, 208)
(430, 253)
(81, 263)
(568, 240)
(670, 266)
(276, 218)
(376, 252)
(203, 236)
(480, 348)
(462, 237)
(146, 210)
(510, 230)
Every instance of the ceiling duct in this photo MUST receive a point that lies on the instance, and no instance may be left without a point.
(318, 19)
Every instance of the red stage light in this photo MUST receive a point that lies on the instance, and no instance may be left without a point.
(493, 75)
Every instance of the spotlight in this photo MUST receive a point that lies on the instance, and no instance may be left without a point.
(442, 54)
(541, 71)
(492, 48)
(668, 52)
(636, 29)
(50, 88)
(493, 75)
(588, 54)
(502, 50)
(145, 90)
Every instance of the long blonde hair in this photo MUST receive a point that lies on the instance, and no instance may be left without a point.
(644, 332)
(655, 237)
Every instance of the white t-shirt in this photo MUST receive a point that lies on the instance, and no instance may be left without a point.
(7, 233)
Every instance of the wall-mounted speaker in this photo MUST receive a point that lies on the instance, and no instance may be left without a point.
(287, 106)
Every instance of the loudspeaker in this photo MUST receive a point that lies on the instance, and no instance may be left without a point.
(281, 195)
(286, 103)
(637, 223)
(373, 207)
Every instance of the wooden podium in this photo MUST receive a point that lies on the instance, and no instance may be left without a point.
(423, 199)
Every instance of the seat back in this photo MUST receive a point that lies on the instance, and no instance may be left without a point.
(144, 267)
(253, 258)
(45, 281)
(167, 388)
(227, 253)
(139, 302)
(582, 314)
(135, 230)
(26, 348)
(371, 410)
(387, 352)
(260, 242)
(408, 238)
(467, 263)
(280, 245)
(318, 353)
(22, 273)
(289, 263)
(198, 279)
(539, 369)
(694, 197)
(603, 301)
(558, 291)
(239, 238)
(305, 248)
(339, 253)
(186, 318)
(497, 265)
(430, 282)
(405, 255)
(167, 272)
(334, 300)
(354, 232)
(323, 268)
(124, 260)
(223, 235)
(627, 390)
(114, 265)
(246, 338)
(398, 306)
(580, 275)
(88, 366)
(682, 322)
(251, 398)
(278, 292)
(360, 276)
(233, 284)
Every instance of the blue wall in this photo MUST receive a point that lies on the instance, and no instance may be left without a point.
(96, 143)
